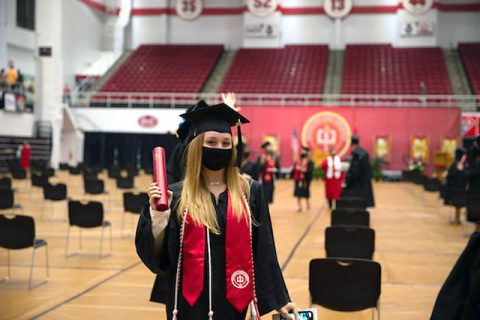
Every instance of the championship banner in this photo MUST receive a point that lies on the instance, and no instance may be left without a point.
(420, 148)
(262, 8)
(383, 147)
(189, 9)
(337, 9)
(417, 7)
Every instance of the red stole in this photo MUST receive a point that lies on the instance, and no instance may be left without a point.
(268, 175)
(297, 174)
(239, 260)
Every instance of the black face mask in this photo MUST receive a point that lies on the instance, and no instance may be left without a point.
(216, 159)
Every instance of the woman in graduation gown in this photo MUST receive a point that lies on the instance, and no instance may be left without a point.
(269, 165)
(302, 175)
(215, 244)
(456, 187)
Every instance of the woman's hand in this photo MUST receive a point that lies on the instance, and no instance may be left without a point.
(155, 193)
(289, 308)
(230, 99)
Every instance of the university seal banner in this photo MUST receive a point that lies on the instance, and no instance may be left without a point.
(324, 131)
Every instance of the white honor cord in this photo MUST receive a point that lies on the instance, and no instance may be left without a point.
(210, 311)
(253, 304)
(179, 263)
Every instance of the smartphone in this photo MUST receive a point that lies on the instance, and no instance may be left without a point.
(302, 315)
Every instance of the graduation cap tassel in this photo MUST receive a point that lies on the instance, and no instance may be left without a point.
(239, 145)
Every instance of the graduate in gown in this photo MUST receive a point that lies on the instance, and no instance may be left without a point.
(302, 176)
(359, 175)
(332, 168)
(455, 193)
(269, 166)
(215, 244)
(248, 168)
(473, 172)
(459, 297)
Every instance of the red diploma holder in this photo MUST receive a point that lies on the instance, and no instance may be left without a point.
(160, 177)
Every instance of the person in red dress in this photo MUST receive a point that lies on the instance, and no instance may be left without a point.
(25, 153)
(332, 168)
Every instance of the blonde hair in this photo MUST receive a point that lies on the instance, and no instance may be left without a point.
(196, 196)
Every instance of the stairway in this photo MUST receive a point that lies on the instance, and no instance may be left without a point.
(456, 72)
(100, 82)
(218, 74)
(333, 76)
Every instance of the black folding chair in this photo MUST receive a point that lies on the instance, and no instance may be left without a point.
(345, 284)
(18, 232)
(38, 179)
(94, 186)
(349, 242)
(75, 171)
(133, 203)
(347, 202)
(53, 193)
(90, 175)
(5, 183)
(7, 200)
(125, 182)
(89, 215)
(114, 172)
(18, 173)
(350, 217)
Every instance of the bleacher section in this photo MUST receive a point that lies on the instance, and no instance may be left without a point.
(293, 69)
(165, 68)
(382, 69)
(470, 53)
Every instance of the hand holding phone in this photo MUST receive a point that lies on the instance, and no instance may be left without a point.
(302, 315)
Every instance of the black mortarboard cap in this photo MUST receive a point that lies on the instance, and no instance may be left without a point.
(305, 148)
(219, 118)
(184, 127)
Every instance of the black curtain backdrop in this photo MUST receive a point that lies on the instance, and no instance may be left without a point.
(133, 149)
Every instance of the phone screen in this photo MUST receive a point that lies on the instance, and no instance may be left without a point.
(302, 315)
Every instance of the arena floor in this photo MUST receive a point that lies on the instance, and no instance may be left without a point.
(414, 244)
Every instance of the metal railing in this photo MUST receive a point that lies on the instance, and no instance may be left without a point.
(172, 100)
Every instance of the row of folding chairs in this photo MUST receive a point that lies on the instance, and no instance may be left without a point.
(347, 280)
(18, 231)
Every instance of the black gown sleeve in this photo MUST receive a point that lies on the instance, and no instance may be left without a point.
(354, 172)
(309, 173)
(450, 303)
(270, 286)
(162, 260)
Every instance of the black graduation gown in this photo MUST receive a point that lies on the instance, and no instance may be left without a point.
(303, 191)
(456, 187)
(459, 297)
(473, 172)
(268, 188)
(270, 286)
(250, 169)
(359, 175)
